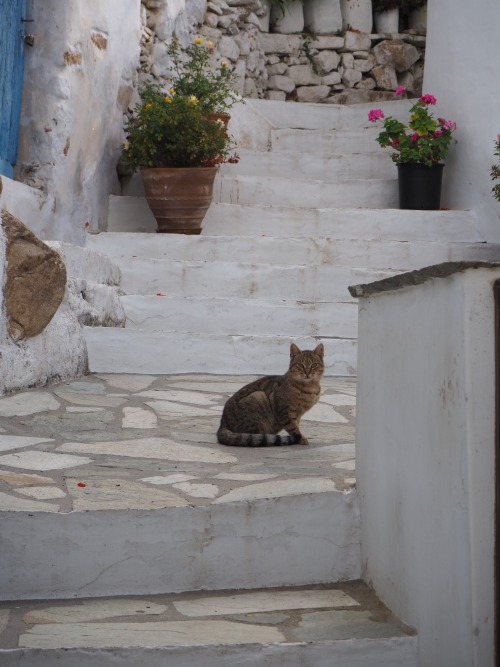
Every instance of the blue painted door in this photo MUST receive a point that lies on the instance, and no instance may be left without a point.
(12, 13)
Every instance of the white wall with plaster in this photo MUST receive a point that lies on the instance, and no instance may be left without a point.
(425, 460)
(79, 78)
(461, 70)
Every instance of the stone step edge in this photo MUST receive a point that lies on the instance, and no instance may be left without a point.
(241, 544)
(353, 652)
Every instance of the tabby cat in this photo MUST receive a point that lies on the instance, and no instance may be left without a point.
(260, 410)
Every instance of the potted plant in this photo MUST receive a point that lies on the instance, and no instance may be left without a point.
(495, 171)
(419, 149)
(287, 16)
(357, 15)
(177, 144)
(386, 15)
(194, 72)
(416, 11)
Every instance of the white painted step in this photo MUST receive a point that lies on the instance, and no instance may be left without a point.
(113, 350)
(292, 540)
(400, 254)
(340, 223)
(328, 143)
(238, 317)
(258, 191)
(344, 626)
(326, 116)
(143, 275)
(309, 166)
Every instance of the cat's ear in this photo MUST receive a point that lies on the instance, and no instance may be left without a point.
(320, 350)
(294, 350)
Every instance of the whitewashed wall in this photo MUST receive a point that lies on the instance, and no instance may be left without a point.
(461, 70)
(425, 460)
(78, 81)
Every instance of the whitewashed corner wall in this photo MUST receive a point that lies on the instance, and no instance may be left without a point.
(461, 70)
(78, 81)
(425, 460)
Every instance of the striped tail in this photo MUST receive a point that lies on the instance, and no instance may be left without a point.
(227, 437)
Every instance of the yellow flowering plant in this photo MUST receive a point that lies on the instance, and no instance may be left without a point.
(172, 130)
(195, 72)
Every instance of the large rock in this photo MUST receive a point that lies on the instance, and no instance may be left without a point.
(35, 280)
(397, 54)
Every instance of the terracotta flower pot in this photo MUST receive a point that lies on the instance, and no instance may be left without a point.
(179, 197)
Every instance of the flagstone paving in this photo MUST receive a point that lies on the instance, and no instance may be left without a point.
(147, 442)
(304, 614)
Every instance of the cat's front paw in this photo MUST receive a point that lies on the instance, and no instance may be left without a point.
(303, 441)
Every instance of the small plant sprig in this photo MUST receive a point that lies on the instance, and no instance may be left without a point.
(424, 140)
(197, 74)
(495, 171)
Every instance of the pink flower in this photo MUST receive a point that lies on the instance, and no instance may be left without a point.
(414, 136)
(374, 114)
(428, 99)
(395, 143)
(438, 133)
(400, 90)
(498, 137)
(449, 125)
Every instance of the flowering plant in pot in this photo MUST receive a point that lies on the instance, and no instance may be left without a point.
(495, 171)
(419, 149)
(178, 147)
(195, 72)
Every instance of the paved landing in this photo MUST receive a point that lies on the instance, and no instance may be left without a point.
(305, 614)
(148, 442)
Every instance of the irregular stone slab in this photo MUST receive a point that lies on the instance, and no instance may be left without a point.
(339, 399)
(264, 601)
(331, 625)
(244, 477)
(345, 465)
(128, 382)
(198, 490)
(94, 610)
(87, 387)
(332, 453)
(115, 494)
(72, 422)
(27, 403)
(278, 488)
(168, 479)
(169, 409)
(8, 442)
(174, 395)
(35, 280)
(35, 460)
(84, 409)
(151, 635)
(42, 492)
(218, 386)
(13, 504)
(138, 418)
(18, 478)
(150, 448)
(322, 412)
(266, 619)
(83, 398)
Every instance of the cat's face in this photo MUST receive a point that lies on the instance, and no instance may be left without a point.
(306, 365)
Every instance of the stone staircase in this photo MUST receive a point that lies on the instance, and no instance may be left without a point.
(267, 572)
(289, 230)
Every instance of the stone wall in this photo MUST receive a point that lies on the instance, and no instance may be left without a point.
(339, 69)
